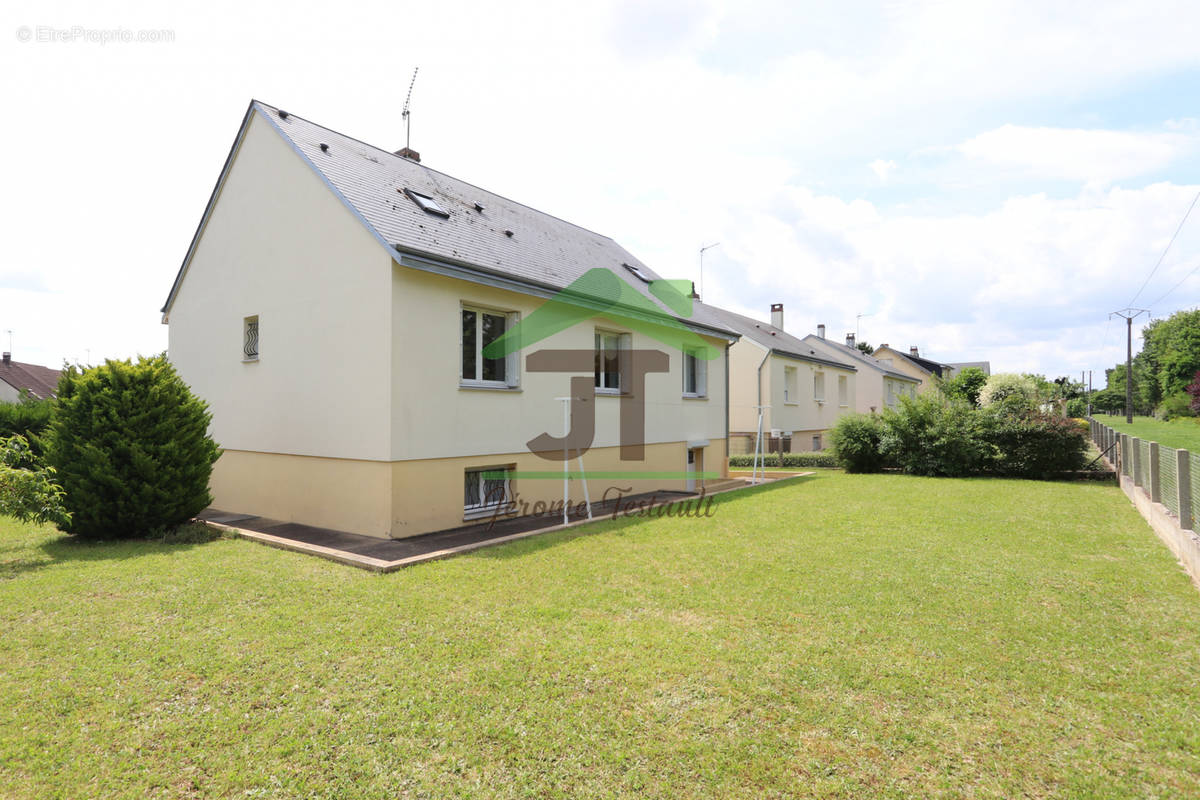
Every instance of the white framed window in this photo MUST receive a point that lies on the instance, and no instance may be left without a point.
(843, 390)
(695, 373)
(480, 327)
(609, 347)
(791, 382)
(891, 393)
(486, 490)
(250, 338)
(819, 386)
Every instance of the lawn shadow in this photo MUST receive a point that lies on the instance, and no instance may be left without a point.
(65, 547)
(625, 525)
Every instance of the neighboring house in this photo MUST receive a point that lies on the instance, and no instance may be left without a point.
(16, 378)
(803, 391)
(333, 309)
(926, 370)
(879, 385)
(984, 366)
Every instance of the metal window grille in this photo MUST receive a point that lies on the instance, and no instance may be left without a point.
(250, 344)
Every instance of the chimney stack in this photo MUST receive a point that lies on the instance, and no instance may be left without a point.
(849, 340)
(912, 351)
(821, 331)
(7, 359)
(777, 315)
(409, 153)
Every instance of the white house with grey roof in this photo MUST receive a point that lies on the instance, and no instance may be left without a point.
(880, 385)
(334, 307)
(802, 392)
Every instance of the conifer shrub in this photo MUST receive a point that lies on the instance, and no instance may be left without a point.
(129, 443)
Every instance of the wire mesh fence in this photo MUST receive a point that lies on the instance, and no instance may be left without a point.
(1168, 478)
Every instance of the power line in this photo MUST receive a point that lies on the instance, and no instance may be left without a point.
(1176, 286)
(1158, 263)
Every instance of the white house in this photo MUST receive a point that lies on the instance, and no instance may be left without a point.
(880, 385)
(802, 392)
(334, 308)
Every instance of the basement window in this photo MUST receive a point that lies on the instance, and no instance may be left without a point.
(427, 203)
(487, 490)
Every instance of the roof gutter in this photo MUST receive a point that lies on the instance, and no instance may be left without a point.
(439, 265)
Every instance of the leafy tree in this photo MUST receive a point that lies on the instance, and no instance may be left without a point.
(28, 492)
(1016, 394)
(966, 385)
(130, 444)
(866, 348)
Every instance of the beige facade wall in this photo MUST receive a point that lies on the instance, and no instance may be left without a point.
(434, 416)
(407, 498)
(801, 414)
(281, 246)
(895, 360)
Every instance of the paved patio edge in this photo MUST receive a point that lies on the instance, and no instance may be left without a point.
(382, 566)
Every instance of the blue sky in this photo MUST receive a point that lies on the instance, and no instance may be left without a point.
(986, 180)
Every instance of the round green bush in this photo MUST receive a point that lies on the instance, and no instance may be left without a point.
(130, 445)
(856, 442)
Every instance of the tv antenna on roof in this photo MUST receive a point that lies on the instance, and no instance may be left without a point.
(404, 114)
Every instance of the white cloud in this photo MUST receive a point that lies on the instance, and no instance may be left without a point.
(1101, 156)
(882, 168)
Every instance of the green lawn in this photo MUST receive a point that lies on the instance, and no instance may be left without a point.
(833, 636)
(1180, 433)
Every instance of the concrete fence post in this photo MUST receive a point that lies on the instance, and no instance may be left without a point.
(1135, 445)
(1155, 477)
(1183, 477)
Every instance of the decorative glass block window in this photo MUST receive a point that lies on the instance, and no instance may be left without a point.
(479, 329)
(608, 360)
(695, 373)
(790, 383)
(250, 339)
(487, 489)
(843, 390)
(819, 386)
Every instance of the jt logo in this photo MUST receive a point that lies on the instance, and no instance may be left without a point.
(633, 367)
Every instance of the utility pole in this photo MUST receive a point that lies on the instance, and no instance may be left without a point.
(1128, 314)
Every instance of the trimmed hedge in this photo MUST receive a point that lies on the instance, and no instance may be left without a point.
(806, 460)
(933, 436)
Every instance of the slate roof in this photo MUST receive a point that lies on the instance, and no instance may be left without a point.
(41, 382)
(542, 250)
(776, 339)
(856, 356)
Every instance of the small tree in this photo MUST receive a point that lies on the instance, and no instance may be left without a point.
(28, 492)
(1193, 390)
(1014, 393)
(130, 445)
(966, 385)
(856, 442)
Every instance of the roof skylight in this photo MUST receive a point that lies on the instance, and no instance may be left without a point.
(427, 203)
(643, 277)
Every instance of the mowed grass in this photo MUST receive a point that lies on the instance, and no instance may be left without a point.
(1182, 433)
(832, 636)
